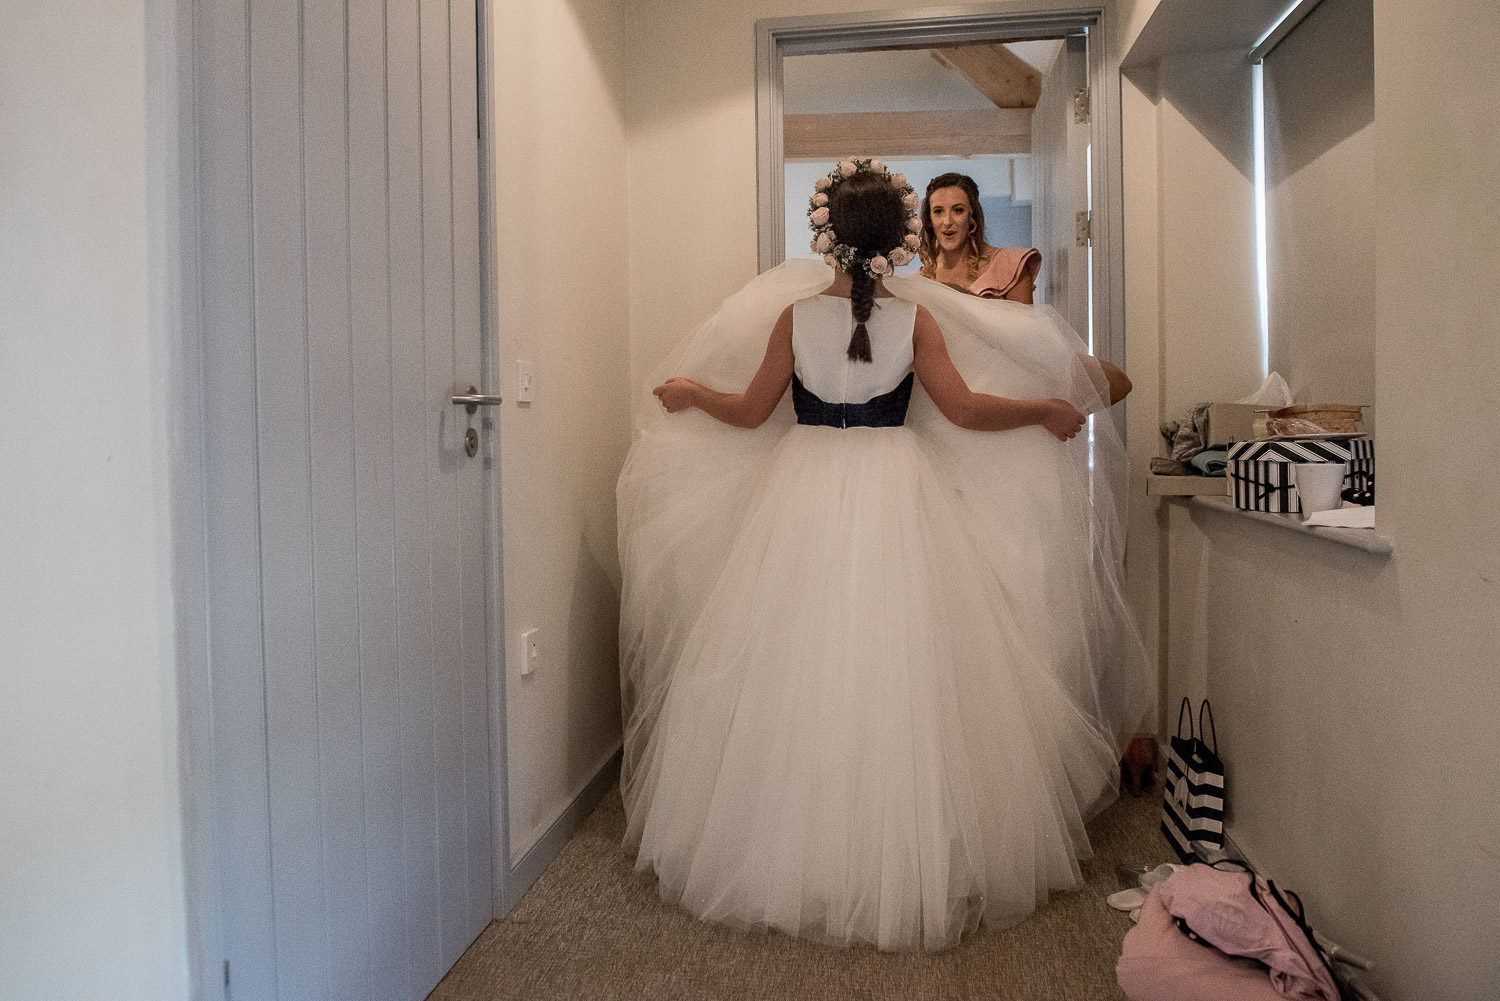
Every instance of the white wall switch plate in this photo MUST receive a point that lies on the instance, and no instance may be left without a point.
(525, 378)
(528, 652)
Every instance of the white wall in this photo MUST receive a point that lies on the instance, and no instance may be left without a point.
(91, 889)
(1192, 318)
(1322, 149)
(1130, 18)
(1144, 411)
(560, 183)
(1356, 697)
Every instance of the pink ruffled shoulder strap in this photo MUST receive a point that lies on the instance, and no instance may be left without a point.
(1004, 270)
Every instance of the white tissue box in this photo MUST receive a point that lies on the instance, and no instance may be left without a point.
(1260, 472)
(1232, 422)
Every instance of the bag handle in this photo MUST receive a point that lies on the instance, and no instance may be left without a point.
(1205, 707)
(1299, 916)
(1186, 707)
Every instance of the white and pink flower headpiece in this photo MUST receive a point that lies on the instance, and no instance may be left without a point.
(844, 257)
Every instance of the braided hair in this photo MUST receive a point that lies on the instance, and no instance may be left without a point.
(868, 215)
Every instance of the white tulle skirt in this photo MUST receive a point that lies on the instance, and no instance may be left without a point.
(874, 683)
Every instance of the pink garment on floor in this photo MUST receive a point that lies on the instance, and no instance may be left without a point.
(1221, 909)
(1159, 963)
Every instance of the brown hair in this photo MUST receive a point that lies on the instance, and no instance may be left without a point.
(928, 249)
(866, 213)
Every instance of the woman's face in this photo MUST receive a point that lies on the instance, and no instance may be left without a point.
(951, 218)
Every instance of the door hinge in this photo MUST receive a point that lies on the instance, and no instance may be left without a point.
(1081, 114)
(1083, 224)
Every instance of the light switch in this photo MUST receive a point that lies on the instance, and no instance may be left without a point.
(524, 379)
(528, 652)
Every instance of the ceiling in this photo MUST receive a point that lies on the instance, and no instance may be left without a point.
(968, 100)
(908, 79)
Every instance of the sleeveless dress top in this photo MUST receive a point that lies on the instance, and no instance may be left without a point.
(831, 390)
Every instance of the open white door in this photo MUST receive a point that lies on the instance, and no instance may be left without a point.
(1060, 156)
(347, 547)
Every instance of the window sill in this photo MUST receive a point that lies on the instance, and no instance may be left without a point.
(1363, 539)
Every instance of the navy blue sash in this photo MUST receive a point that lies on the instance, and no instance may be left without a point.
(888, 410)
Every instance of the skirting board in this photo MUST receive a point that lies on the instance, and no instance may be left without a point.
(531, 865)
(1211, 855)
(1236, 851)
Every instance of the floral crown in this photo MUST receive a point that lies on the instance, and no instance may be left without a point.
(844, 257)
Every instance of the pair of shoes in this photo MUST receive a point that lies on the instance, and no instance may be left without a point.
(1138, 765)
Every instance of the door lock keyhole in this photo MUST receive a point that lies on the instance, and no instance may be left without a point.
(471, 442)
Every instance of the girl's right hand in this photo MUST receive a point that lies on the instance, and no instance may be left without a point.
(1063, 419)
(676, 394)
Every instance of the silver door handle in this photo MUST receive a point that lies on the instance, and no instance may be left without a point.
(474, 399)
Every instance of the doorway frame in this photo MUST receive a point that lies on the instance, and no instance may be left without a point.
(506, 888)
(779, 37)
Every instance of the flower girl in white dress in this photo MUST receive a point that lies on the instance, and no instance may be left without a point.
(872, 663)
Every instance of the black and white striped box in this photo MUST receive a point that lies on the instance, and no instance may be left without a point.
(1261, 471)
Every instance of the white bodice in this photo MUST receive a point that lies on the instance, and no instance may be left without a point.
(821, 328)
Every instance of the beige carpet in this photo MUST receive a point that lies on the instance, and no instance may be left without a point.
(591, 928)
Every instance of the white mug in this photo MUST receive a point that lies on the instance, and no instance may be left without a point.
(1319, 485)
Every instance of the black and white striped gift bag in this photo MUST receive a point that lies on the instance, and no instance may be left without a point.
(1193, 794)
(1359, 485)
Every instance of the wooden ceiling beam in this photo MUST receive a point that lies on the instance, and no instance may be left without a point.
(906, 133)
(996, 72)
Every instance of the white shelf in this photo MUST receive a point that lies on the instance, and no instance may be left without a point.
(1358, 538)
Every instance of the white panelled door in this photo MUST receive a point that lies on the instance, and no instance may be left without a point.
(1060, 149)
(340, 284)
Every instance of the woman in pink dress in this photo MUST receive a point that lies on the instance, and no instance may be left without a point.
(954, 252)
